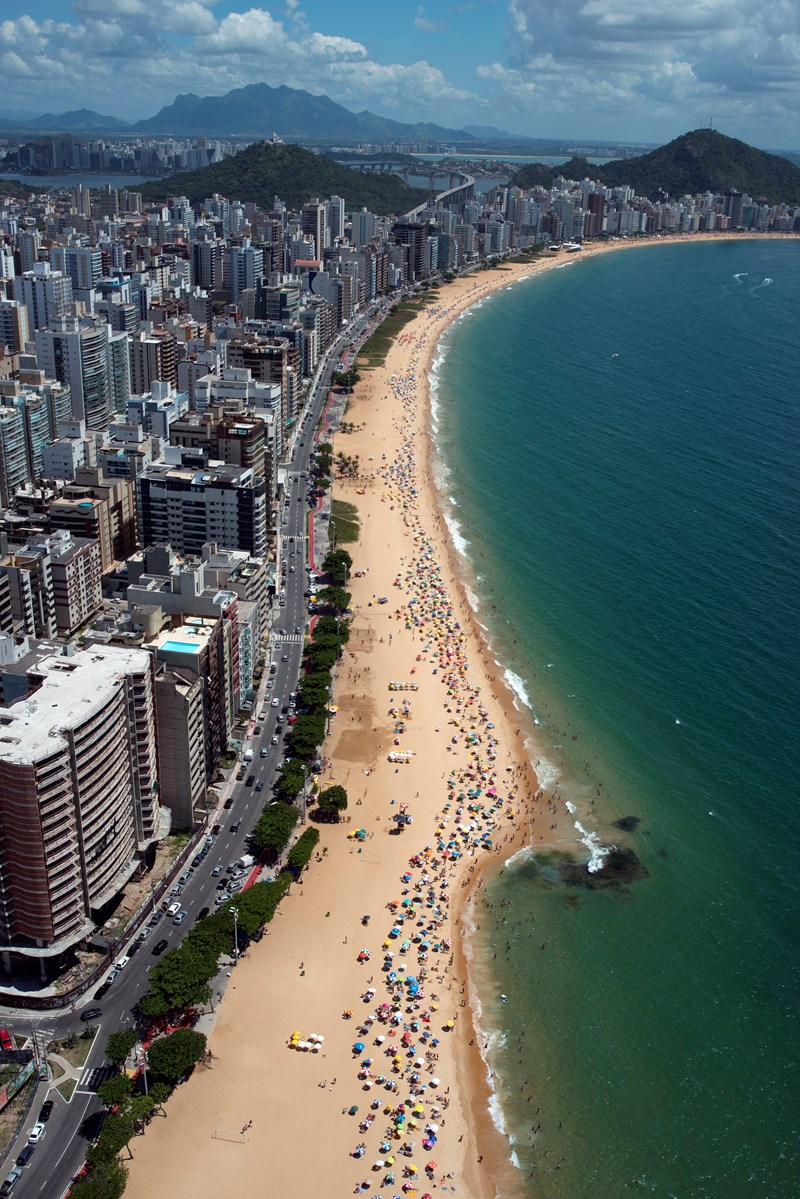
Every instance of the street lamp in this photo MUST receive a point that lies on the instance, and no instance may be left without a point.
(235, 913)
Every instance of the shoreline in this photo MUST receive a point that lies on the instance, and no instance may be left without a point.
(304, 973)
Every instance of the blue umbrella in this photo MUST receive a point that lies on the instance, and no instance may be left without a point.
(358, 1047)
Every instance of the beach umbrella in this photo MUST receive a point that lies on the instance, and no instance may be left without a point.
(358, 1047)
(434, 1082)
(433, 1127)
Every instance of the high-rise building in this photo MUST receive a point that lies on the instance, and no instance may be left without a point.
(14, 328)
(14, 462)
(100, 509)
(82, 264)
(314, 222)
(186, 506)
(154, 356)
(78, 355)
(46, 294)
(78, 798)
(246, 268)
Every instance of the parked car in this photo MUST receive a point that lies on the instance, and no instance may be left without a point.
(25, 1155)
(145, 933)
(102, 991)
(228, 802)
(159, 948)
(36, 1133)
(184, 878)
(201, 915)
(122, 963)
(45, 1111)
(6, 1040)
(91, 1013)
(112, 974)
(10, 1181)
(154, 919)
(180, 916)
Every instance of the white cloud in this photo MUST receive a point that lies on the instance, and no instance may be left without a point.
(426, 24)
(628, 57)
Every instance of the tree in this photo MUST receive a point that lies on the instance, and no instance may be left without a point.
(274, 828)
(314, 691)
(301, 851)
(330, 625)
(334, 597)
(173, 1056)
(332, 801)
(179, 980)
(159, 1092)
(105, 1181)
(141, 1108)
(119, 1045)
(116, 1133)
(322, 657)
(308, 733)
(338, 564)
(292, 780)
(115, 1089)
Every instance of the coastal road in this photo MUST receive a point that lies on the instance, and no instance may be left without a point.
(62, 1152)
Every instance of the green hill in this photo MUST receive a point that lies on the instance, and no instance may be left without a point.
(12, 189)
(264, 171)
(700, 161)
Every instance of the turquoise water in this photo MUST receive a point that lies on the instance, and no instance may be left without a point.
(621, 443)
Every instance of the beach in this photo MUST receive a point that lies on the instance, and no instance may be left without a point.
(473, 797)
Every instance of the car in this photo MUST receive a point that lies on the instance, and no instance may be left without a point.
(257, 732)
(235, 885)
(270, 684)
(297, 628)
(25, 1155)
(274, 740)
(36, 1133)
(216, 829)
(231, 867)
(235, 826)
(292, 570)
(201, 915)
(222, 897)
(145, 933)
(184, 878)
(154, 919)
(133, 948)
(180, 916)
(176, 890)
(222, 884)
(275, 701)
(196, 861)
(173, 909)
(159, 948)
(285, 658)
(260, 785)
(251, 778)
(10, 1181)
(45, 1111)
(112, 974)
(122, 963)
(6, 1040)
(91, 1013)
(282, 632)
(228, 802)
(273, 667)
(216, 871)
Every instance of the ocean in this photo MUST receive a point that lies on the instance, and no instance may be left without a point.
(619, 445)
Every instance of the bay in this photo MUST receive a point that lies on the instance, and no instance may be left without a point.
(620, 441)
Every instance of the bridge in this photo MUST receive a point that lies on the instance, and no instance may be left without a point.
(458, 193)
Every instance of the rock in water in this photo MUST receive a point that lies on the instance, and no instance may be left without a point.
(628, 823)
(620, 867)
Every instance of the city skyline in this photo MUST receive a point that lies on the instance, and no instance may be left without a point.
(593, 69)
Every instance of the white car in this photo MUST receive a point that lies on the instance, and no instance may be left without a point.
(36, 1133)
(122, 963)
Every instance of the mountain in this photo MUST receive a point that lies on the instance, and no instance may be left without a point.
(490, 133)
(700, 161)
(264, 171)
(258, 110)
(82, 120)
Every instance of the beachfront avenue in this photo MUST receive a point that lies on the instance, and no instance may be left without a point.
(74, 1124)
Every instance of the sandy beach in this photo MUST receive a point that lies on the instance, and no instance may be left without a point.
(473, 796)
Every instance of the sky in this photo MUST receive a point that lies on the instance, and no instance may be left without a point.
(628, 70)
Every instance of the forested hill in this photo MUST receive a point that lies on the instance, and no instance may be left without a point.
(700, 161)
(264, 171)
